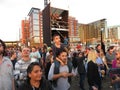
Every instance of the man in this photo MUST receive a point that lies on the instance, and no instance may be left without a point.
(57, 46)
(110, 56)
(21, 66)
(61, 75)
(6, 70)
(66, 40)
(35, 54)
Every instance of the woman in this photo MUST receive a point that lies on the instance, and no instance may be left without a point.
(35, 81)
(101, 66)
(104, 61)
(93, 75)
(116, 75)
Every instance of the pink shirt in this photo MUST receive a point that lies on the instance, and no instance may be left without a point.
(114, 64)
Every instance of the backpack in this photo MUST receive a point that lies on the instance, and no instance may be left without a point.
(56, 71)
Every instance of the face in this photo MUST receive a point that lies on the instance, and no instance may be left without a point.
(111, 51)
(57, 39)
(15, 55)
(80, 54)
(63, 57)
(117, 55)
(51, 53)
(1, 49)
(99, 47)
(36, 73)
(87, 51)
(33, 49)
(25, 52)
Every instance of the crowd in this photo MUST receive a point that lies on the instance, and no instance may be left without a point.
(51, 68)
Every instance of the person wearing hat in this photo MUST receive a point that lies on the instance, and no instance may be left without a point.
(6, 70)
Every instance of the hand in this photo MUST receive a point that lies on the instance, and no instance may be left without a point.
(107, 68)
(94, 88)
(35, 56)
(64, 74)
(71, 74)
(117, 77)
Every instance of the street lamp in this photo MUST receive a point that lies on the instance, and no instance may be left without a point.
(102, 43)
(101, 35)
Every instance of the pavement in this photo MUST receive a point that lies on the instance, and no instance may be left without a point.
(75, 84)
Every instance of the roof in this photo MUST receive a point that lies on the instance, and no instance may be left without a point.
(33, 8)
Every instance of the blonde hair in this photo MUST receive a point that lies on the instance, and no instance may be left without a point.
(92, 55)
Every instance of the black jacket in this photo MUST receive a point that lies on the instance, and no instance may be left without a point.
(45, 85)
(93, 74)
(81, 66)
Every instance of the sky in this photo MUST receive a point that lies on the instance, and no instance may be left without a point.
(85, 11)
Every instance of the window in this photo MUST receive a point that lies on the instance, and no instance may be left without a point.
(36, 11)
(36, 40)
(35, 22)
(35, 27)
(36, 33)
(35, 16)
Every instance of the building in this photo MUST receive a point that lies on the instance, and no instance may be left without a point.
(94, 32)
(73, 31)
(25, 32)
(55, 21)
(82, 28)
(41, 26)
(114, 34)
(35, 27)
(14, 44)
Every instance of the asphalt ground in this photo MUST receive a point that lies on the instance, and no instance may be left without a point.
(75, 84)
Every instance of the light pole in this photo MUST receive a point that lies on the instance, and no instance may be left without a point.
(101, 35)
(102, 43)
